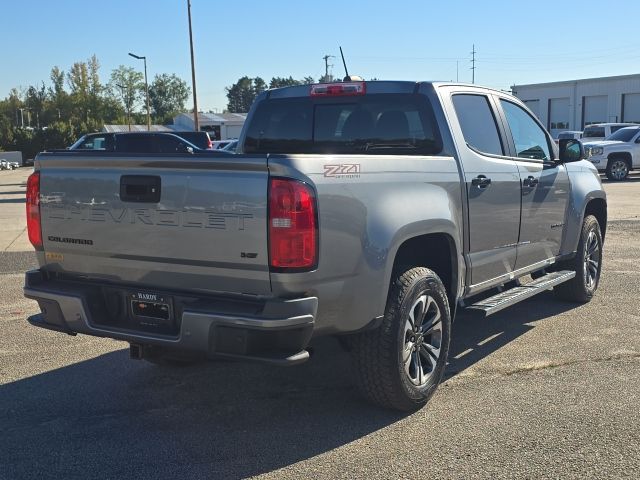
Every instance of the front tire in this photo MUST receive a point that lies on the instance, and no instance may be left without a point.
(617, 169)
(400, 364)
(587, 264)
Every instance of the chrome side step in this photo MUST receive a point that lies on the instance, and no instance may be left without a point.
(514, 295)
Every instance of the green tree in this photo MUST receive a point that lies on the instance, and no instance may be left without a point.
(168, 95)
(277, 82)
(242, 94)
(259, 85)
(57, 135)
(6, 132)
(61, 105)
(90, 105)
(127, 84)
(327, 79)
(37, 101)
(57, 82)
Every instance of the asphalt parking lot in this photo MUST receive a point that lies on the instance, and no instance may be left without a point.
(545, 389)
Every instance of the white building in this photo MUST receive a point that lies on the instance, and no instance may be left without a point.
(221, 126)
(570, 105)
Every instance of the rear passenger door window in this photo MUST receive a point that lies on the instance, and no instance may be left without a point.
(133, 143)
(529, 138)
(168, 144)
(478, 123)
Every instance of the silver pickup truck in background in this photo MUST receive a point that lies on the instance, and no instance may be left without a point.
(618, 154)
(367, 210)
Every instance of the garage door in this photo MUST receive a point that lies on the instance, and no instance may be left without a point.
(594, 109)
(558, 116)
(233, 131)
(534, 106)
(631, 107)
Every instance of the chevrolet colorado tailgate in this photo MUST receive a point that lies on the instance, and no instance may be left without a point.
(182, 222)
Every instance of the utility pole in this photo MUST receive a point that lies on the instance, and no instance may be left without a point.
(473, 64)
(196, 123)
(326, 65)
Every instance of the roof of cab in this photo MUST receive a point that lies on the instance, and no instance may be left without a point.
(373, 87)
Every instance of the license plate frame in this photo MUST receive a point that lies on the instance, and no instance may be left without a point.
(151, 310)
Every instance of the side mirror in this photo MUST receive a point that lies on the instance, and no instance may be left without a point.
(571, 150)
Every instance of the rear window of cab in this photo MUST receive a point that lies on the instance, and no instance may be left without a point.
(379, 124)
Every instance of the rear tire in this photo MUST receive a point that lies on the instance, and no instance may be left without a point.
(587, 264)
(617, 169)
(400, 364)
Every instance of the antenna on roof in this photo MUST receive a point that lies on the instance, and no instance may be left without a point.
(346, 72)
(347, 77)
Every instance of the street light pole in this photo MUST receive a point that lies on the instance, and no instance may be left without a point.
(196, 123)
(146, 87)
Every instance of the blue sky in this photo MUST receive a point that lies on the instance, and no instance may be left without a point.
(517, 42)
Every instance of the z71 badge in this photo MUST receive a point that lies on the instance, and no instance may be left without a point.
(345, 170)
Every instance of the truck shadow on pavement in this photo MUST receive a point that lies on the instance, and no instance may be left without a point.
(475, 337)
(111, 417)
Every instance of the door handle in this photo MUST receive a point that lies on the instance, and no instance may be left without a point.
(530, 181)
(481, 181)
(140, 188)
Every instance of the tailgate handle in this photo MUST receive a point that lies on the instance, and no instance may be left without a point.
(140, 188)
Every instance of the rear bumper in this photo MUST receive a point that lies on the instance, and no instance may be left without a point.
(272, 330)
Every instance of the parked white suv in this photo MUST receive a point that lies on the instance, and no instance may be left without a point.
(618, 154)
(600, 131)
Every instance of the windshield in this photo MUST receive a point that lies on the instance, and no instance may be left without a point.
(369, 124)
(593, 132)
(623, 135)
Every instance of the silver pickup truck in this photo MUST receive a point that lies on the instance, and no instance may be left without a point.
(366, 210)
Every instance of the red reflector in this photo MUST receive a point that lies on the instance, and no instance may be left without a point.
(33, 210)
(338, 89)
(293, 234)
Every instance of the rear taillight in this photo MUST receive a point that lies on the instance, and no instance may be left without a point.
(338, 89)
(33, 210)
(210, 144)
(293, 232)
